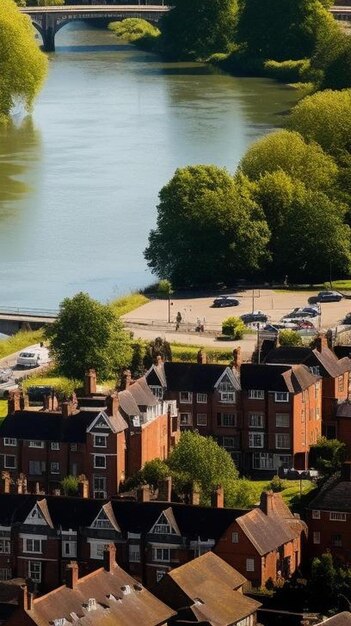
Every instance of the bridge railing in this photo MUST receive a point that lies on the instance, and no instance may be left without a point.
(25, 311)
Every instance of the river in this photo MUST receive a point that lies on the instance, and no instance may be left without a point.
(79, 179)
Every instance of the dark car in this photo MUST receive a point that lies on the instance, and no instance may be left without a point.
(347, 319)
(256, 316)
(225, 301)
(329, 296)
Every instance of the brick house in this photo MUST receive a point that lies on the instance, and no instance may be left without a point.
(267, 541)
(328, 518)
(334, 373)
(194, 591)
(106, 597)
(103, 437)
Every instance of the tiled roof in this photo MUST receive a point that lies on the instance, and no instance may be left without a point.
(334, 496)
(137, 396)
(232, 607)
(47, 426)
(341, 619)
(194, 377)
(326, 359)
(276, 377)
(265, 533)
(208, 566)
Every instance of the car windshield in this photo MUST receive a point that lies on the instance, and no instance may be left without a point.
(27, 355)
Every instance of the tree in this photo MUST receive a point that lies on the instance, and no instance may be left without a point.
(22, 65)
(289, 338)
(322, 582)
(157, 347)
(288, 151)
(208, 229)
(328, 455)
(203, 461)
(154, 471)
(325, 117)
(198, 28)
(87, 334)
(233, 327)
(69, 485)
(288, 29)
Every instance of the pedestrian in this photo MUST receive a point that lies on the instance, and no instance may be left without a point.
(198, 325)
(203, 325)
(178, 320)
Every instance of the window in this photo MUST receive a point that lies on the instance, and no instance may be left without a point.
(37, 468)
(262, 460)
(281, 396)
(225, 386)
(316, 515)
(231, 442)
(228, 397)
(69, 549)
(99, 485)
(341, 383)
(337, 517)
(201, 419)
(235, 537)
(10, 461)
(316, 537)
(5, 546)
(185, 419)
(314, 369)
(336, 541)
(34, 571)
(74, 447)
(54, 468)
(5, 573)
(282, 440)
(185, 397)
(256, 440)
(32, 545)
(318, 413)
(134, 554)
(100, 441)
(55, 445)
(161, 554)
(36, 444)
(10, 442)
(157, 391)
(99, 461)
(160, 574)
(201, 398)
(256, 420)
(97, 550)
(227, 420)
(282, 420)
(256, 394)
(250, 565)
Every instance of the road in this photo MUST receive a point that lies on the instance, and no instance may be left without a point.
(19, 373)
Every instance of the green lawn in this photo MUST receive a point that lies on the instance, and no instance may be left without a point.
(289, 493)
(188, 353)
(19, 341)
(3, 409)
(125, 304)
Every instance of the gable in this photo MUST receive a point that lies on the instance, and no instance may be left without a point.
(227, 382)
(101, 424)
(105, 520)
(36, 517)
(165, 524)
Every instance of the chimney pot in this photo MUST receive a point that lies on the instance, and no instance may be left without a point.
(25, 599)
(165, 490)
(83, 486)
(195, 494)
(237, 358)
(112, 404)
(267, 502)
(14, 402)
(217, 498)
(72, 575)
(143, 493)
(201, 357)
(66, 409)
(126, 379)
(6, 480)
(110, 557)
(90, 382)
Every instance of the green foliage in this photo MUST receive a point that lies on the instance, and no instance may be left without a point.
(234, 327)
(205, 221)
(3, 409)
(203, 461)
(64, 387)
(289, 338)
(87, 335)
(22, 65)
(188, 353)
(288, 29)
(69, 485)
(278, 484)
(240, 494)
(287, 71)
(137, 365)
(153, 472)
(325, 117)
(50, 3)
(164, 287)
(22, 339)
(322, 581)
(198, 28)
(157, 347)
(136, 31)
(129, 303)
(327, 455)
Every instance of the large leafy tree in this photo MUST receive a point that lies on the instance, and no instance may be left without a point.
(198, 28)
(328, 455)
(281, 29)
(88, 334)
(208, 229)
(22, 65)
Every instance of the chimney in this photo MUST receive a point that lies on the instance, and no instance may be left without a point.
(37, 489)
(47, 403)
(346, 471)
(110, 557)
(237, 358)
(83, 486)
(201, 357)
(267, 502)
(321, 342)
(25, 598)
(14, 402)
(24, 401)
(126, 379)
(143, 493)
(158, 359)
(217, 498)
(72, 575)
(90, 382)
(195, 494)
(66, 409)
(6, 482)
(112, 404)
(165, 490)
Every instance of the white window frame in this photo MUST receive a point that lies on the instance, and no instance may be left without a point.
(228, 420)
(34, 571)
(5, 545)
(6, 462)
(97, 549)
(259, 436)
(229, 442)
(10, 441)
(72, 548)
(336, 543)
(188, 421)
(100, 456)
(281, 396)
(55, 445)
(316, 514)
(5, 573)
(250, 565)
(255, 394)
(316, 537)
(188, 395)
(36, 443)
(99, 492)
(134, 553)
(253, 417)
(201, 398)
(29, 545)
(282, 441)
(161, 555)
(100, 445)
(201, 419)
(235, 537)
(227, 397)
(280, 418)
(336, 516)
(157, 391)
(263, 460)
(54, 467)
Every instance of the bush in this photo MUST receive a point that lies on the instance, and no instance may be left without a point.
(63, 386)
(277, 484)
(136, 31)
(69, 485)
(21, 340)
(125, 304)
(184, 353)
(290, 338)
(233, 327)
(287, 71)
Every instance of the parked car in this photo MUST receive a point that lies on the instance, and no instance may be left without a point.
(6, 388)
(5, 375)
(347, 319)
(302, 313)
(37, 394)
(274, 328)
(256, 316)
(222, 301)
(305, 324)
(33, 358)
(327, 296)
(290, 323)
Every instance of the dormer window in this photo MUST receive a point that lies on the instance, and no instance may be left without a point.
(281, 396)
(157, 391)
(163, 526)
(100, 441)
(102, 521)
(10, 442)
(256, 394)
(36, 444)
(185, 397)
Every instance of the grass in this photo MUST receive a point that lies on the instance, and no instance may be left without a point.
(125, 304)
(3, 409)
(19, 341)
(290, 493)
(188, 353)
(62, 385)
(339, 285)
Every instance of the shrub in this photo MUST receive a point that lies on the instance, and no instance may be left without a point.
(277, 484)
(233, 327)
(290, 338)
(69, 485)
(136, 31)
(287, 71)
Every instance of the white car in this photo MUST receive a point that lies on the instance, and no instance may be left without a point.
(33, 358)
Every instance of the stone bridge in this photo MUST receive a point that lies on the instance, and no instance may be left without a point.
(14, 319)
(49, 20)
